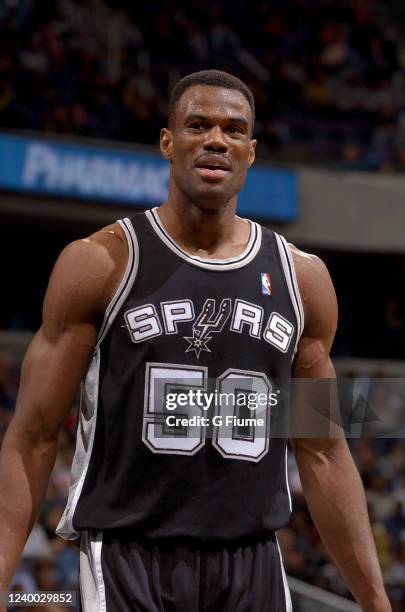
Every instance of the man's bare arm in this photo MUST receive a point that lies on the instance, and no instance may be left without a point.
(330, 480)
(84, 278)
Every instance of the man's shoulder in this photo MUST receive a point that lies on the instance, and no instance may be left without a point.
(89, 270)
(99, 250)
(316, 288)
(307, 265)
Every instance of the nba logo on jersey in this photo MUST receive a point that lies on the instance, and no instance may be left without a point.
(266, 283)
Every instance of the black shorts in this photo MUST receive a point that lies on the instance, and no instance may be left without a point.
(120, 575)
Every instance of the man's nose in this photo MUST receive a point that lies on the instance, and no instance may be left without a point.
(215, 140)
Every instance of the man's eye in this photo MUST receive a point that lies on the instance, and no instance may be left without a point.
(196, 126)
(233, 129)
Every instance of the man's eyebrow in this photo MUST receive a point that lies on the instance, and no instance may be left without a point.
(236, 119)
(241, 120)
(196, 117)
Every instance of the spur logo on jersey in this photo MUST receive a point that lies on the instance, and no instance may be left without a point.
(266, 283)
(208, 321)
(240, 317)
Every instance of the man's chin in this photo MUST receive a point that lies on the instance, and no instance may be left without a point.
(212, 199)
(213, 194)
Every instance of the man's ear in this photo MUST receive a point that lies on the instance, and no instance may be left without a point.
(252, 152)
(166, 143)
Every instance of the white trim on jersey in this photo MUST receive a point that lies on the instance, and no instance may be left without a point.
(292, 284)
(127, 280)
(90, 388)
(287, 594)
(84, 446)
(286, 478)
(92, 588)
(231, 263)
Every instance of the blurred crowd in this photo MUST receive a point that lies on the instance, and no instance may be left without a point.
(373, 411)
(48, 563)
(382, 466)
(328, 76)
(51, 563)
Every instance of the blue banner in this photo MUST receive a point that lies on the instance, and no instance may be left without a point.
(126, 177)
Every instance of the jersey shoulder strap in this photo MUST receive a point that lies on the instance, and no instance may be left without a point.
(127, 280)
(288, 268)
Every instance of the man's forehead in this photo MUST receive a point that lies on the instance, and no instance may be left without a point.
(208, 100)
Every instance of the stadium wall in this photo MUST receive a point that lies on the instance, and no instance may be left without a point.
(337, 207)
(312, 207)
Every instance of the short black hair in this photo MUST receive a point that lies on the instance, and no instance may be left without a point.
(212, 78)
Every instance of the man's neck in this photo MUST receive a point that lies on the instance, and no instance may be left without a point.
(204, 232)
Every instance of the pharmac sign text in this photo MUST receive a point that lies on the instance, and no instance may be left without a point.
(126, 176)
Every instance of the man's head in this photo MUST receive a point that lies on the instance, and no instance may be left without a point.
(211, 78)
(208, 140)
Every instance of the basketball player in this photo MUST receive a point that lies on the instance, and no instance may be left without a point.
(187, 296)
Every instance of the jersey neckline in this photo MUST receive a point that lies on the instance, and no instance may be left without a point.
(230, 263)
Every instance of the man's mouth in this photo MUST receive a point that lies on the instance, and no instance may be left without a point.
(213, 167)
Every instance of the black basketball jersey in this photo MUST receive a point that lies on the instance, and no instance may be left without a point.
(175, 436)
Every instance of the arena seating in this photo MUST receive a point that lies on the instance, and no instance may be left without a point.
(327, 77)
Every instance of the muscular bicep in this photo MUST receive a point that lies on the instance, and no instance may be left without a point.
(321, 313)
(82, 282)
(51, 373)
(315, 407)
